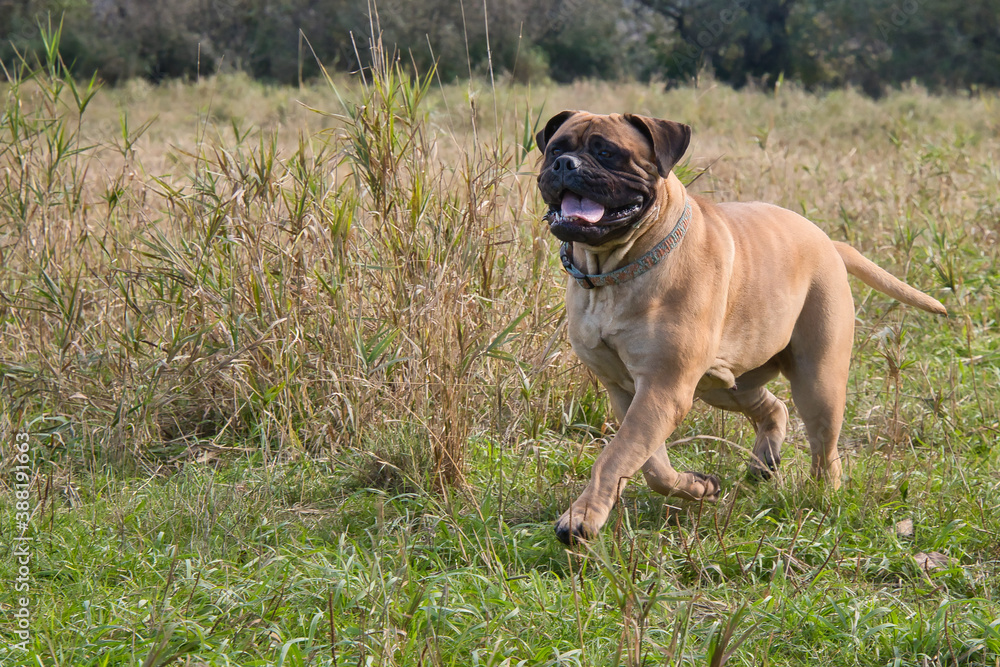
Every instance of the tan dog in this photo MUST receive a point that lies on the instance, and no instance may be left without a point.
(674, 297)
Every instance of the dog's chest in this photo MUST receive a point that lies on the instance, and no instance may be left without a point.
(598, 332)
(617, 340)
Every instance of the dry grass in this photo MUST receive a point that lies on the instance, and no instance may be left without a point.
(222, 261)
(221, 277)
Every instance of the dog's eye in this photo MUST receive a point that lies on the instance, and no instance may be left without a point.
(604, 153)
(555, 151)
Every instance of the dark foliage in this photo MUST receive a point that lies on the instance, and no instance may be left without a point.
(820, 44)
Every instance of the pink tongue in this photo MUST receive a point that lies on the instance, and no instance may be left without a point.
(581, 207)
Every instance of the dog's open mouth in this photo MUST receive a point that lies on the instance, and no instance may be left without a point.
(578, 210)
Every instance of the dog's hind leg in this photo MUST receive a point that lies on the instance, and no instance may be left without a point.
(769, 417)
(816, 364)
(820, 404)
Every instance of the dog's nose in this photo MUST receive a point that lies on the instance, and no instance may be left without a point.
(566, 163)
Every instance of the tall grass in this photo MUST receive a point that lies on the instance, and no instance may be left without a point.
(351, 292)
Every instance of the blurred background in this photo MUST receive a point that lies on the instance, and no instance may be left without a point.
(867, 44)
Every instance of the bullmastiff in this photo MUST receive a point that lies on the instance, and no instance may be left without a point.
(672, 297)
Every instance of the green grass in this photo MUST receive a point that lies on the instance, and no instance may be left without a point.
(298, 389)
(245, 563)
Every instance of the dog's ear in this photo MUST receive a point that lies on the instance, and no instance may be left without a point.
(543, 137)
(670, 139)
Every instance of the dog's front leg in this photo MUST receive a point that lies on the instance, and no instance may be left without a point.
(652, 416)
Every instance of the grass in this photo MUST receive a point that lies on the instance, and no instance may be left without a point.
(294, 369)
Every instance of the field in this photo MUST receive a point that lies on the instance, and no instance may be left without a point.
(289, 374)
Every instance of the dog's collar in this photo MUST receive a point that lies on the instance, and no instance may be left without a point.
(633, 269)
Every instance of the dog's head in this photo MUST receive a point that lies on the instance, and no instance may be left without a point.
(600, 173)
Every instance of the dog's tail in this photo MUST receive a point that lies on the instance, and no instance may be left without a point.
(878, 278)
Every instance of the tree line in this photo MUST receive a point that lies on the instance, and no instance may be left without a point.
(870, 44)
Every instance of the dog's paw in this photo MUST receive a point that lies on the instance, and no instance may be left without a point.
(578, 525)
(830, 473)
(763, 468)
(704, 486)
(570, 533)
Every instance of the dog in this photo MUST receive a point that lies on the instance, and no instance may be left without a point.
(672, 297)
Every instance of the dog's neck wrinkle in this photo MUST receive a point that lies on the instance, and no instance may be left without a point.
(596, 261)
(667, 214)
